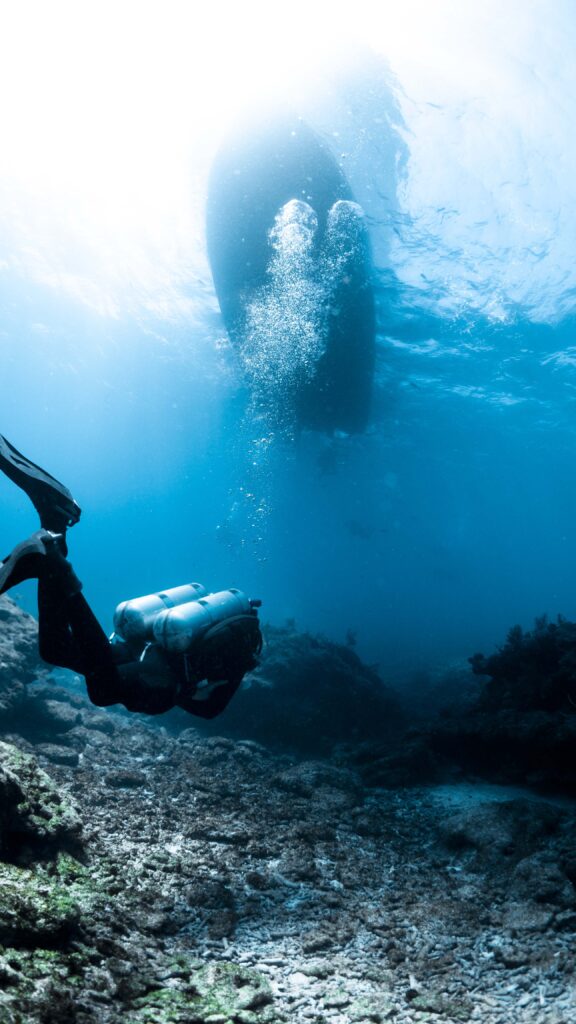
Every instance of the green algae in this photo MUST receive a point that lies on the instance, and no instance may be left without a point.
(166, 1006)
(437, 1003)
(219, 993)
(44, 905)
(35, 909)
(29, 976)
(32, 805)
(375, 1008)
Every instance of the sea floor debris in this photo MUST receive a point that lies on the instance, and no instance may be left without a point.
(209, 880)
(219, 882)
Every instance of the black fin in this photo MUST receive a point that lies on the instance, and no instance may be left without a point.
(23, 563)
(51, 499)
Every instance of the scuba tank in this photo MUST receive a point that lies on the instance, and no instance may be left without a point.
(134, 620)
(177, 628)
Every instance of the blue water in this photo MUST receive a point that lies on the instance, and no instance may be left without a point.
(453, 517)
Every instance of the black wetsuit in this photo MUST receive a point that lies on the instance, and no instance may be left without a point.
(144, 678)
(70, 636)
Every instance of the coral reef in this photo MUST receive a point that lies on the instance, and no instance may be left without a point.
(522, 727)
(18, 656)
(239, 885)
(150, 877)
(33, 813)
(308, 695)
(534, 670)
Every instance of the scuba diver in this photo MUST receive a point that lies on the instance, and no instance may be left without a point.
(179, 648)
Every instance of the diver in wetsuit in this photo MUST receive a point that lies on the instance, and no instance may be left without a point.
(204, 651)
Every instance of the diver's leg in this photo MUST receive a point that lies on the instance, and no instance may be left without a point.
(28, 560)
(107, 680)
(70, 636)
(51, 499)
(55, 640)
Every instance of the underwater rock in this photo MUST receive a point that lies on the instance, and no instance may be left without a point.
(526, 916)
(60, 705)
(522, 726)
(33, 811)
(35, 909)
(507, 746)
(58, 754)
(334, 787)
(440, 1005)
(19, 661)
(540, 877)
(243, 886)
(534, 670)
(510, 829)
(125, 779)
(405, 760)
(48, 717)
(30, 705)
(214, 994)
(307, 695)
(208, 893)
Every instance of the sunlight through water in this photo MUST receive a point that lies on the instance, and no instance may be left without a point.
(114, 113)
(452, 123)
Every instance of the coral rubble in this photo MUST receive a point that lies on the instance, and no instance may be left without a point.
(157, 877)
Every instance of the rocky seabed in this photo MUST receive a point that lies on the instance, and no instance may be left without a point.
(150, 877)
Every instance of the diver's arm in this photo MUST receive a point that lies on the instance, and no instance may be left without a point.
(145, 689)
(212, 705)
(227, 653)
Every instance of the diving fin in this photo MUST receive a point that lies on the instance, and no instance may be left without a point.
(24, 562)
(51, 499)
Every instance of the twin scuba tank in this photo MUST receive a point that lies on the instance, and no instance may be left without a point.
(176, 618)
